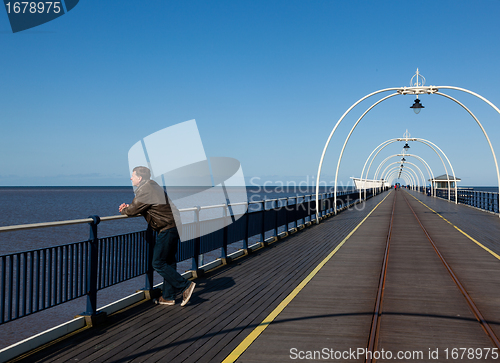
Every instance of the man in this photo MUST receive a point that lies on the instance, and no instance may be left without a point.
(154, 205)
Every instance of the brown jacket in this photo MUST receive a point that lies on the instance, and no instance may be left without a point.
(154, 205)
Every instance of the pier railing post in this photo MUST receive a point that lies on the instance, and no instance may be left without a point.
(197, 259)
(92, 267)
(276, 212)
(91, 315)
(150, 245)
(286, 215)
(497, 206)
(323, 205)
(247, 224)
(263, 220)
(225, 235)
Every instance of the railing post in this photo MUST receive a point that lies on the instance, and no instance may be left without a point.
(276, 208)
(295, 224)
(224, 239)
(91, 315)
(92, 267)
(318, 207)
(247, 224)
(323, 205)
(197, 259)
(497, 209)
(150, 245)
(263, 227)
(286, 215)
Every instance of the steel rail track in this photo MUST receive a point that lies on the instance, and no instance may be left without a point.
(374, 330)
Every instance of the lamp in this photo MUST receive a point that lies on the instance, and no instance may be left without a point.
(417, 106)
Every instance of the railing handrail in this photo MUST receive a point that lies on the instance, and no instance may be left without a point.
(19, 227)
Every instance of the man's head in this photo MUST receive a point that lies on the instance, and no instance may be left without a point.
(139, 174)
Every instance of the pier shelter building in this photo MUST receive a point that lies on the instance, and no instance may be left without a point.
(441, 182)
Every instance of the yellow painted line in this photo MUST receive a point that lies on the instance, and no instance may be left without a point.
(269, 319)
(458, 229)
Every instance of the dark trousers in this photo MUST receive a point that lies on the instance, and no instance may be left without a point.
(165, 264)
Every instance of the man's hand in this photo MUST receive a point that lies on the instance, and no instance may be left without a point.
(123, 205)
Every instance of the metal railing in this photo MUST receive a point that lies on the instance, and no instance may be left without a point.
(488, 201)
(35, 280)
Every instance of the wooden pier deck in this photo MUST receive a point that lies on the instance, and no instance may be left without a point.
(312, 296)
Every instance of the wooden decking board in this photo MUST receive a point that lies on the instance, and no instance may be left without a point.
(277, 267)
(407, 309)
(196, 336)
(69, 348)
(260, 318)
(309, 242)
(135, 327)
(485, 226)
(422, 305)
(223, 324)
(235, 307)
(477, 269)
(335, 309)
(230, 327)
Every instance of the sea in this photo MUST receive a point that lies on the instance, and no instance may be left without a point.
(26, 205)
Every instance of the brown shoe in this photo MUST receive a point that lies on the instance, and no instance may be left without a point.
(162, 301)
(186, 295)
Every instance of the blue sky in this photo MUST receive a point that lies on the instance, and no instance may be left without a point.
(266, 82)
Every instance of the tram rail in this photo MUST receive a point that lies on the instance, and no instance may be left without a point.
(375, 327)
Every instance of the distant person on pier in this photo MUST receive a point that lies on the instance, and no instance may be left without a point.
(153, 204)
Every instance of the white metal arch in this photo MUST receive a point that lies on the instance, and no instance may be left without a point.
(394, 177)
(398, 169)
(433, 147)
(403, 176)
(345, 144)
(385, 143)
(420, 178)
(414, 90)
(391, 177)
(397, 155)
(429, 144)
(427, 166)
(481, 126)
(416, 179)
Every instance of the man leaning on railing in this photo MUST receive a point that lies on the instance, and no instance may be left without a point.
(154, 205)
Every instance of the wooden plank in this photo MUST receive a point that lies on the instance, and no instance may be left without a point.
(334, 310)
(251, 278)
(423, 308)
(477, 269)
